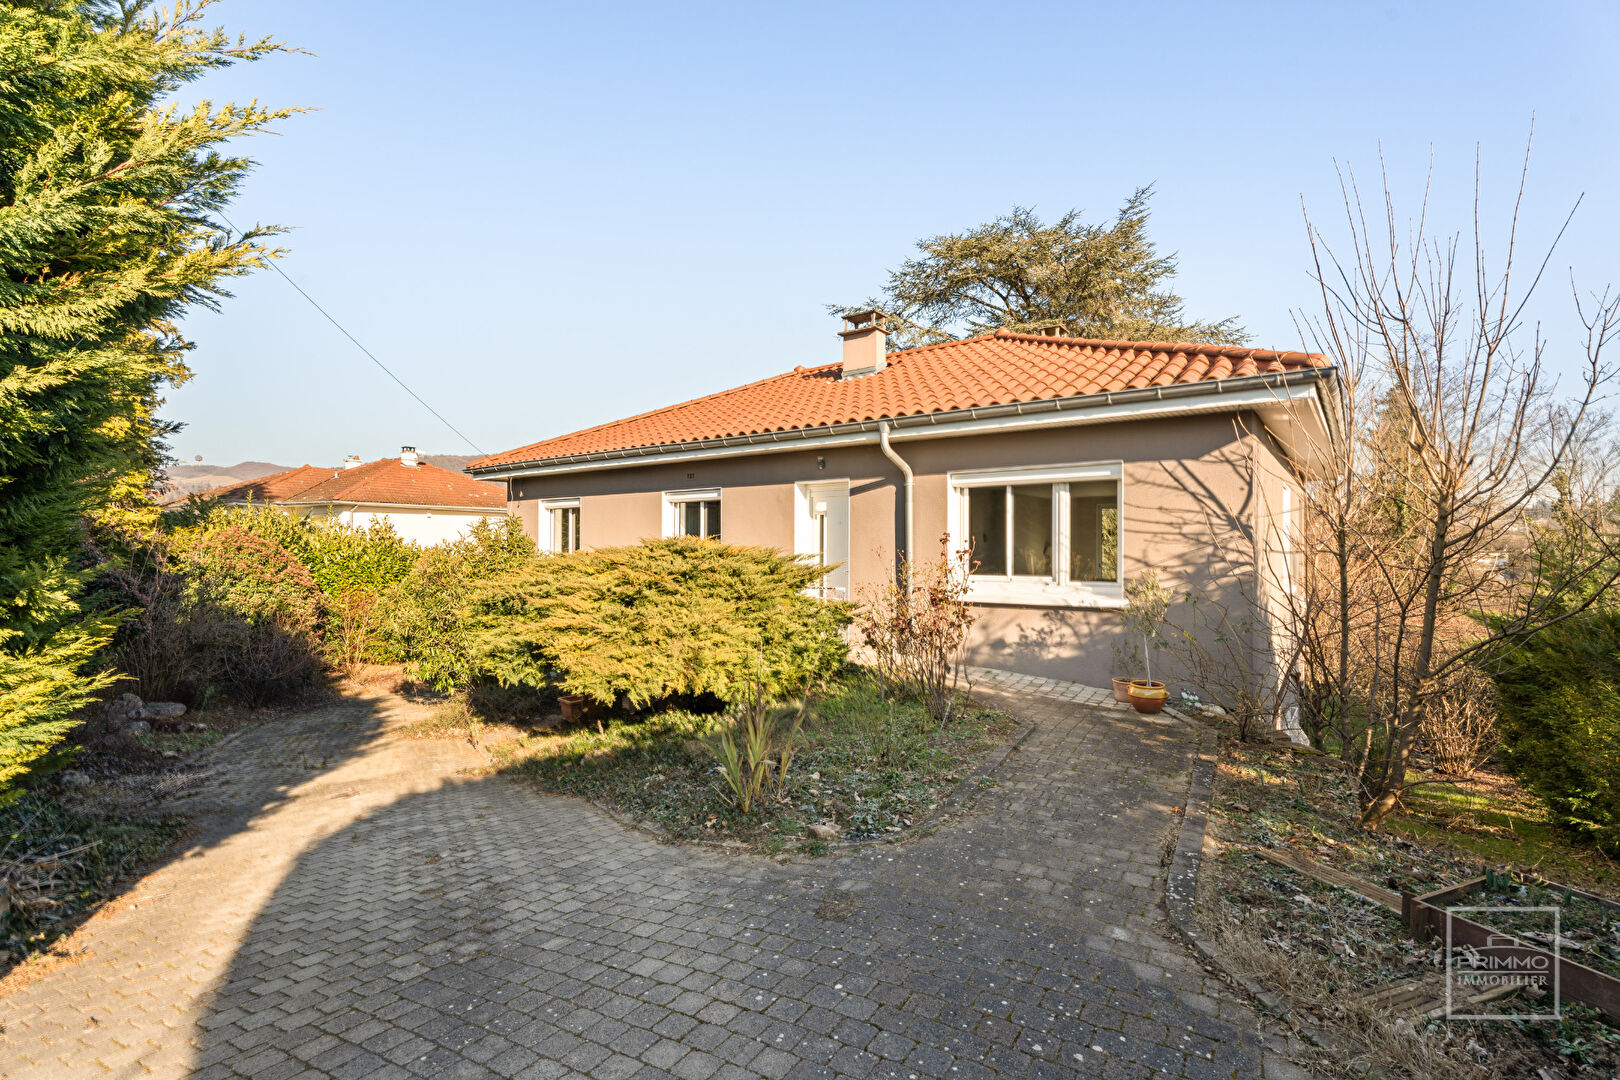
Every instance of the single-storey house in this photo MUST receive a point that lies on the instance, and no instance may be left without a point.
(424, 503)
(1068, 465)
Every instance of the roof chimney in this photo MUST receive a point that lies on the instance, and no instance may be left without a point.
(352, 461)
(864, 349)
(407, 456)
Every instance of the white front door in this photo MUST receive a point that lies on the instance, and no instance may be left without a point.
(822, 532)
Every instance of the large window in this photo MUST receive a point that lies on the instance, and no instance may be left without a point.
(1094, 530)
(1041, 535)
(1011, 529)
(693, 513)
(560, 520)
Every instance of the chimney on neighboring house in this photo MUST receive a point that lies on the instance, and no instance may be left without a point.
(407, 456)
(352, 461)
(864, 350)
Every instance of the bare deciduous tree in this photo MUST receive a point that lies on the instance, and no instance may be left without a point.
(1453, 430)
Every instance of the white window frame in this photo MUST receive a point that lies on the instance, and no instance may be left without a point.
(1054, 590)
(675, 500)
(805, 541)
(547, 526)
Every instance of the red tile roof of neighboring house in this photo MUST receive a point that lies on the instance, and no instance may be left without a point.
(386, 482)
(391, 482)
(995, 369)
(277, 487)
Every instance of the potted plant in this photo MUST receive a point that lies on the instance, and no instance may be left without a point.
(1146, 604)
(572, 706)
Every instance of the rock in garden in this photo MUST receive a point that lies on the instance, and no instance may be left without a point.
(821, 830)
(136, 728)
(73, 778)
(122, 706)
(162, 710)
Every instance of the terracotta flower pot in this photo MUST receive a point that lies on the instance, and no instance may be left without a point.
(572, 706)
(1148, 697)
(1122, 688)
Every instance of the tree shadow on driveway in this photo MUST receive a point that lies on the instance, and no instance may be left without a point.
(148, 953)
(442, 925)
(482, 929)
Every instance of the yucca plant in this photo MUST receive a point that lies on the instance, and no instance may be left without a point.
(789, 742)
(756, 753)
(745, 754)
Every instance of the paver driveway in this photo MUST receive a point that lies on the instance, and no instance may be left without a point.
(361, 906)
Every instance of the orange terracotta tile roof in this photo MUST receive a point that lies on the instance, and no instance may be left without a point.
(277, 487)
(995, 369)
(384, 482)
(389, 482)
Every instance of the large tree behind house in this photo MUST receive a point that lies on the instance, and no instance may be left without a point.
(1078, 278)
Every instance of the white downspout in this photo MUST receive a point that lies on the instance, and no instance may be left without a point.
(905, 470)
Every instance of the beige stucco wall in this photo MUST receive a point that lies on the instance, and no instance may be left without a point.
(1188, 510)
(1279, 519)
(621, 506)
(1191, 511)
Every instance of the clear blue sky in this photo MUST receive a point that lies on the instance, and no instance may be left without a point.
(544, 216)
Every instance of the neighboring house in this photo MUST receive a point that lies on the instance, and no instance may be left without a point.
(1068, 465)
(423, 502)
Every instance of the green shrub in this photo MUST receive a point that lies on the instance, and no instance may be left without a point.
(345, 559)
(352, 567)
(200, 518)
(425, 615)
(229, 614)
(341, 558)
(662, 618)
(1560, 701)
(254, 578)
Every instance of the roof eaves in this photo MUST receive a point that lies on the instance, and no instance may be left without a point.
(1209, 387)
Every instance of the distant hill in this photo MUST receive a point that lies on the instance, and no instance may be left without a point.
(193, 478)
(188, 479)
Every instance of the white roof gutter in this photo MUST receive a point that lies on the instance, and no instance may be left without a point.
(905, 471)
(1180, 399)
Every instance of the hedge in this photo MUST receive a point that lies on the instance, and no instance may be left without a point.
(1560, 704)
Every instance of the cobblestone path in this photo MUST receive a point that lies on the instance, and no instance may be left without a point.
(365, 906)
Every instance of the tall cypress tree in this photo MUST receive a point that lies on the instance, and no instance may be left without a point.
(109, 195)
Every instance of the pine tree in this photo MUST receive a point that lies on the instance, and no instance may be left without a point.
(1018, 273)
(109, 196)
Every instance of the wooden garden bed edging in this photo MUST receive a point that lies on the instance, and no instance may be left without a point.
(1327, 875)
(1426, 917)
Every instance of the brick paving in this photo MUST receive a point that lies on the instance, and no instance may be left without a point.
(365, 906)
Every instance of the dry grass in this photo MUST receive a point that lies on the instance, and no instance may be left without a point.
(58, 862)
(1380, 1042)
(1325, 951)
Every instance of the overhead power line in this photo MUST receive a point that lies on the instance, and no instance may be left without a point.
(437, 415)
